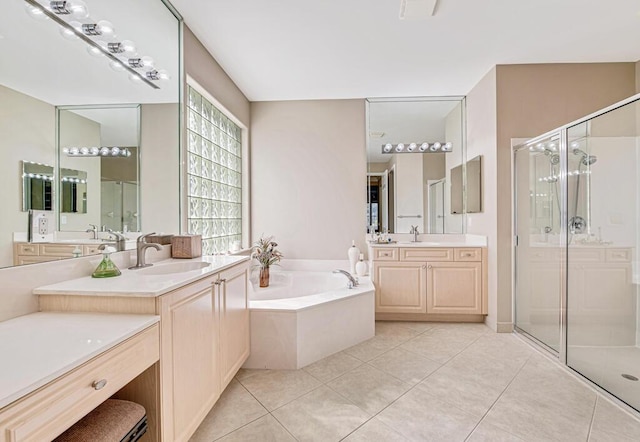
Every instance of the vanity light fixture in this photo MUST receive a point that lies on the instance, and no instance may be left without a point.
(415, 148)
(97, 151)
(122, 54)
(38, 176)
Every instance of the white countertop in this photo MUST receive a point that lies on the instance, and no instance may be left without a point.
(40, 347)
(136, 283)
(405, 244)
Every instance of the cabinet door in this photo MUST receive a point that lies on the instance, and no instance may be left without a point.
(454, 287)
(189, 361)
(234, 321)
(400, 287)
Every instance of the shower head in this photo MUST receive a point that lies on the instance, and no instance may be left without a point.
(586, 159)
(554, 158)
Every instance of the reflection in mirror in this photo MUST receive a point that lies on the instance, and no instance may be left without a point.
(35, 81)
(104, 141)
(73, 191)
(413, 146)
(474, 185)
(37, 186)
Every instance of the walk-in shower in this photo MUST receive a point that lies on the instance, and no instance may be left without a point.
(577, 226)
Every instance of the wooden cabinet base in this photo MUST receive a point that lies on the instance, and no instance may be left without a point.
(426, 317)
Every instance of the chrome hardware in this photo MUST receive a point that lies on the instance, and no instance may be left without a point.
(415, 233)
(424, 267)
(94, 230)
(141, 247)
(430, 266)
(577, 224)
(353, 282)
(99, 385)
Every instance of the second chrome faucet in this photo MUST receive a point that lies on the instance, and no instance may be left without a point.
(141, 247)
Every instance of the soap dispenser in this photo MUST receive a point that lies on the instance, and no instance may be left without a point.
(106, 268)
(361, 266)
(353, 254)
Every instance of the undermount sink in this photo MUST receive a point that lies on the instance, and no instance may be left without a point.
(420, 243)
(174, 267)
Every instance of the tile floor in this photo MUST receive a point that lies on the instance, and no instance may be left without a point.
(419, 382)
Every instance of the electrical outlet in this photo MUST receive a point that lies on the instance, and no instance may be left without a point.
(43, 226)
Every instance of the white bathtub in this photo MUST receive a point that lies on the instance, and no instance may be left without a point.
(307, 313)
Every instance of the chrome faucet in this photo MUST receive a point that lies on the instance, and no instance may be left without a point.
(415, 233)
(120, 240)
(141, 247)
(93, 229)
(353, 282)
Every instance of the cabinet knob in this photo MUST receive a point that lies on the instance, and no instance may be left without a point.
(99, 385)
(467, 254)
(430, 266)
(424, 266)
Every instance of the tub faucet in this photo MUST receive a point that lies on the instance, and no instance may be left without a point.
(415, 233)
(353, 282)
(141, 247)
(94, 230)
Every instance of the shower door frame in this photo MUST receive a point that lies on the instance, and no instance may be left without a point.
(561, 135)
(564, 230)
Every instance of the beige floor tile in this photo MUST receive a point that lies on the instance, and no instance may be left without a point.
(375, 431)
(265, 429)
(610, 419)
(544, 403)
(463, 388)
(404, 365)
(235, 408)
(420, 326)
(421, 417)
(321, 415)
(372, 348)
(369, 388)
(488, 433)
(438, 345)
(245, 373)
(397, 330)
(275, 388)
(332, 366)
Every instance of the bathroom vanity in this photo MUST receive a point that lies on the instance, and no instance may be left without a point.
(204, 327)
(430, 281)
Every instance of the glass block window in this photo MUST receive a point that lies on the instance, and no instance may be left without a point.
(214, 175)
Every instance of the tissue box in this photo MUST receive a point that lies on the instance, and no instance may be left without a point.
(160, 239)
(186, 246)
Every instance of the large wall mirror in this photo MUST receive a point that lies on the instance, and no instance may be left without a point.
(414, 146)
(64, 102)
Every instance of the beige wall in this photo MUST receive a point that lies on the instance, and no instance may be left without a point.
(205, 70)
(482, 140)
(530, 100)
(308, 176)
(638, 77)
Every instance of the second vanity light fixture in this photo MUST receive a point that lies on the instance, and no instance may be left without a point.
(436, 147)
(100, 36)
(97, 151)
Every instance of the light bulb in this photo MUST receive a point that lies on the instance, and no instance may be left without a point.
(147, 63)
(92, 50)
(94, 151)
(117, 66)
(106, 28)
(36, 12)
(68, 33)
(74, 151)
(84, 150)
(388, 147)
(115, 151)
(575, 144)
(128, 47)
(436, 145)
(447, 146)
(65, 150)
(423, 147)
(104, 151)
(78, 8)
(412, 147)
(163, 74)
(400, 147)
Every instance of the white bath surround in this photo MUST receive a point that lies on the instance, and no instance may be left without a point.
(307, 313)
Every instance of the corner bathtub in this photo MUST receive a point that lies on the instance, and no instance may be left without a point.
(307, 313)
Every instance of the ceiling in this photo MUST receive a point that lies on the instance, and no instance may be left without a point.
(292, 49)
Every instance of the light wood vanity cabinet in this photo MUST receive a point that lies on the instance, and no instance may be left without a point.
(50, 410)
(204, 340)
(430, 283)
(29, 253)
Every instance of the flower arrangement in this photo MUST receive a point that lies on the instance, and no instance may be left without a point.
(265, 252)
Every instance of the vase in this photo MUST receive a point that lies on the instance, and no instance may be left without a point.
(353, 254)
(264, 276)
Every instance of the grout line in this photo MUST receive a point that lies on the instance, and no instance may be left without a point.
(593, 416)
(496, 401)
(284, 426)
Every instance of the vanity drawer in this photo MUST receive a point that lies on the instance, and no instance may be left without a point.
(28, 249)
(426, 254)
(618, 255)
(385, 254)
(474, 254)
(90, 250)
(62, 250)
(53, 408)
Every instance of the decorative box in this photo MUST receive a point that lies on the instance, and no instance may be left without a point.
(186, 246)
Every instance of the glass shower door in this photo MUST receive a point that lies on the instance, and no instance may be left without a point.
(539, 252)
(603, 337)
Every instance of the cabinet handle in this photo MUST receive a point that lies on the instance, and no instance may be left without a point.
(424, 266)
(216, 282)
(430, 266)
(222, 280)
(467, 254)
(99, 385)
